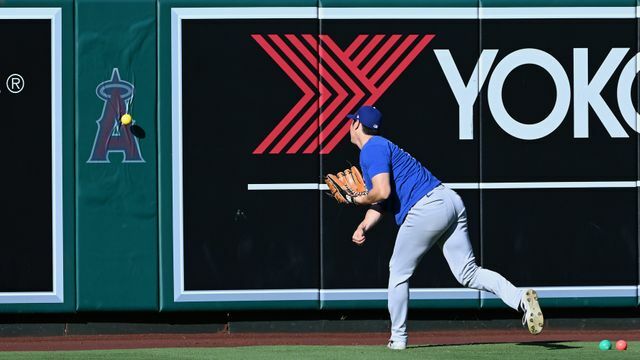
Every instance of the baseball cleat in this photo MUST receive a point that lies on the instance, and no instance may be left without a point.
(397, 345)
(533, 318)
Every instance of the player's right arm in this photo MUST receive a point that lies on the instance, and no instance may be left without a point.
(372, 217)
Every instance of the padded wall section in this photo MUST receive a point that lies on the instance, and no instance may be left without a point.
(117, 241)
(559, 152)
(244, 220)
(402, 62)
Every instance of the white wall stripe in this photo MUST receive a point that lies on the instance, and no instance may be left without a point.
(30, 298)
(457, 186)
(29, 13)
(176, 151)
(398, 13)
(302, 186)
(559, 185)
(621, 12)
(57, 157)
(247, 13)
(491, 186)
(415, 294)
(556, 292)
(579, 292)
(249, 295)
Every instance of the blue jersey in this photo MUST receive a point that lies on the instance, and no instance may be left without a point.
(410, 181)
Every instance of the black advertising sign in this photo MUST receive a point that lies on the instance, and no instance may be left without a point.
(30, 99)
(25, 100)
(508, 109)
(235, 238)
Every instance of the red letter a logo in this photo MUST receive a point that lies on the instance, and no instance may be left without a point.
(111, 137)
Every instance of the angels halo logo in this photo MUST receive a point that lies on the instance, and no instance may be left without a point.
(334, 82)
(111, 136)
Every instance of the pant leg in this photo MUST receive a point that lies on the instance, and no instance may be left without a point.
(457, 249)
(423, 226)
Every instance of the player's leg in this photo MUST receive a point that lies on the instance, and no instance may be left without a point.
(458, 252)
(423, 226)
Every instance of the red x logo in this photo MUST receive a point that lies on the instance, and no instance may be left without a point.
(348, 78)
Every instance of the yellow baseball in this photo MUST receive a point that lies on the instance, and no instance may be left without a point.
(126, 119)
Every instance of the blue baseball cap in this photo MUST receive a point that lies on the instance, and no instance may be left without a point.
(368, 116)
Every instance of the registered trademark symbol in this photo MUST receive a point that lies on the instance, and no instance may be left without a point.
(15, 83)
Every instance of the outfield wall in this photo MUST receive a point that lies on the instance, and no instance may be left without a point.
(213, 200)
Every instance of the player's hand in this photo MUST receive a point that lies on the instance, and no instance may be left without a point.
(358, 236)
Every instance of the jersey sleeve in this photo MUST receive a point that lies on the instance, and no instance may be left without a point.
(377, 160)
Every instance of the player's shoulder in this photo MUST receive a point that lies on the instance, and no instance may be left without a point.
(386, 145)
(378, 140)
(374, 148)
(376, 144)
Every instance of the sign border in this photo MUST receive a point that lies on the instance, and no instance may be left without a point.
(57, 295)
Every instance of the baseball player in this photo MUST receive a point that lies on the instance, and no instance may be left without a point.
(428, 213)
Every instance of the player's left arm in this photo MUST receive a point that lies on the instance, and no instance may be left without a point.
(380, 190)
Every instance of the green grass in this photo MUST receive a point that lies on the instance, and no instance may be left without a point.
(536, 351)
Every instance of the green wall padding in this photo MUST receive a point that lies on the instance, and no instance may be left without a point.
(116, 195)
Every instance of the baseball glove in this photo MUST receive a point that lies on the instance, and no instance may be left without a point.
(346, 185)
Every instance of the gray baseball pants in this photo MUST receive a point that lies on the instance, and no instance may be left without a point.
(439, 217)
